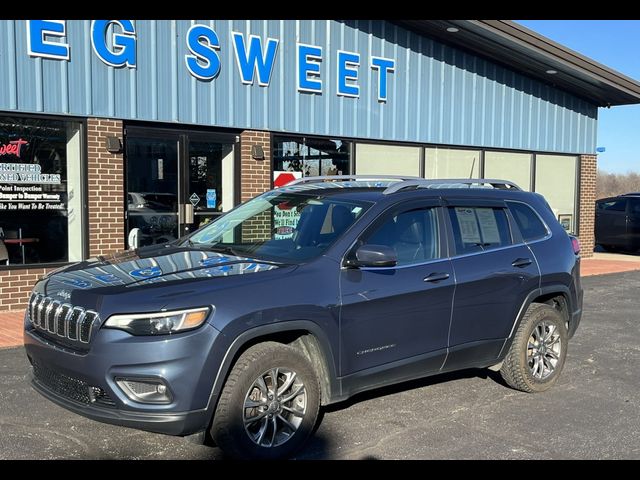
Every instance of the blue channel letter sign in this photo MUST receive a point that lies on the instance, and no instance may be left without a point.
(114, 42)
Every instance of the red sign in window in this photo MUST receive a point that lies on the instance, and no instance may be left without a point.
(13, 147)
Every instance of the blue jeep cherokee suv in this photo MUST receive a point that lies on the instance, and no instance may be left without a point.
(303, 297)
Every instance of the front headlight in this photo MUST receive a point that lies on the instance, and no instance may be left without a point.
(161, 323)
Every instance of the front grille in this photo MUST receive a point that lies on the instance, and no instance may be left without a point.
(62, 384)
(61, 319)
(69, 387)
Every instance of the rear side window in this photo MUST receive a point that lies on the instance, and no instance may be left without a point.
(530, 225)
(635, 206)
(476, 229)
(613, 205)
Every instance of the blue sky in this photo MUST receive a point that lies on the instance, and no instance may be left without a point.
(614, 43)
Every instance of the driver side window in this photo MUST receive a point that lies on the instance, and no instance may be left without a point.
(413, 234)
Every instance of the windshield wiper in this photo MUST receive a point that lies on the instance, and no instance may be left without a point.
(231, 251)
(222, 249)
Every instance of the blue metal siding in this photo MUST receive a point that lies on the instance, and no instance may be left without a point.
(437, 94)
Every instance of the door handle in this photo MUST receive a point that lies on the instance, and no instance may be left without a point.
(436, 277)
(521, 262)
(188, 213)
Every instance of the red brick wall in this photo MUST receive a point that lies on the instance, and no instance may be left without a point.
(106, 189)
(255, 175)
(15, 286)
(588, 174)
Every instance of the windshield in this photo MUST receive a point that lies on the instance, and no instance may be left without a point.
(284, 227)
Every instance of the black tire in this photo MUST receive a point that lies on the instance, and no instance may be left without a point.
(228, 426)
(533, 377)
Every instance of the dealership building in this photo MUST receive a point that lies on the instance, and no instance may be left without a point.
(159, 126)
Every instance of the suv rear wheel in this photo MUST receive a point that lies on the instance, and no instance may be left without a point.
(537, 354)
(269, 404)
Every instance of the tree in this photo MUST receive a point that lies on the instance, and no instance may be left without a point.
(613, 184)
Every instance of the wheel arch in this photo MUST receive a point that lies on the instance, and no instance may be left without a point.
(304, 335)
(556, 295)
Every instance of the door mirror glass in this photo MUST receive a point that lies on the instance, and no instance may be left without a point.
(374, 256)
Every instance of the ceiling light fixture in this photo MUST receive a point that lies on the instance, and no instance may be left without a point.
(452, 29)
(552, 72)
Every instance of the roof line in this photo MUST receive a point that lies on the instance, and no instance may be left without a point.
(559, 52)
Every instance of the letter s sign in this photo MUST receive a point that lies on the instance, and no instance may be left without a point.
(123, 44)
(204, 62)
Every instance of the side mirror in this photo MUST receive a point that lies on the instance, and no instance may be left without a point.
(374, 256)
(133, 240)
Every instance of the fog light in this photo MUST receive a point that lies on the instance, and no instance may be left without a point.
(145, 390)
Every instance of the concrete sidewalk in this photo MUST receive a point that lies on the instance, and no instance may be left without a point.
(602, 263)
(599, 264)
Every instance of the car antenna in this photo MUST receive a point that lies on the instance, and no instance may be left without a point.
(473, 164)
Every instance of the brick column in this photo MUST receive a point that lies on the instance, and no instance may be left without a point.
(255, 174)
(588, 175)
(255, 179)
(106, 188)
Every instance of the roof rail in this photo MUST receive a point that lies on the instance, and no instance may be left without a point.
(452, 183)
(342, 178)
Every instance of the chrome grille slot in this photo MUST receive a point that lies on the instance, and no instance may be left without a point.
(33, 302)
(50, 315)
(61, 319)
(42, 313)
(74, 317)
(87, 323)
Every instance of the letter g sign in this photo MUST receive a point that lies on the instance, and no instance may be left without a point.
(120, 51)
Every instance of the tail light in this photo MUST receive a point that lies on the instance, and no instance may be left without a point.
(575, 243)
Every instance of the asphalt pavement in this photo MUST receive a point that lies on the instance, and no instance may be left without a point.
(591, 413)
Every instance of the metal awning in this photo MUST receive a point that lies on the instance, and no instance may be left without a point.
(532, 54)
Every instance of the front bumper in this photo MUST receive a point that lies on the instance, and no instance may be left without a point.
(181, 423)
(182, 361)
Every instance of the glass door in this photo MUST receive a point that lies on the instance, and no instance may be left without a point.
(177, 181)
(152, 187)
(209, 174)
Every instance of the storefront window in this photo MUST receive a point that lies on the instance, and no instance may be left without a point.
(372, 159)
(556, 178)
(41, 204)
(452, 163)
(515, 167)
(311, 156)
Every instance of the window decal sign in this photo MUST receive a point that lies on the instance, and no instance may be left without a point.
(488, 225)
(26, 173)
(468, 225)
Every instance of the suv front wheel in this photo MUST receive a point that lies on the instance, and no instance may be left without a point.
(537, 354)
(269, 404)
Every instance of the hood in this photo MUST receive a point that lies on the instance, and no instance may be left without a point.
(144, 266)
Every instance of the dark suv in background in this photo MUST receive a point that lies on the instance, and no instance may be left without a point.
(618, 223)
(303, 297)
